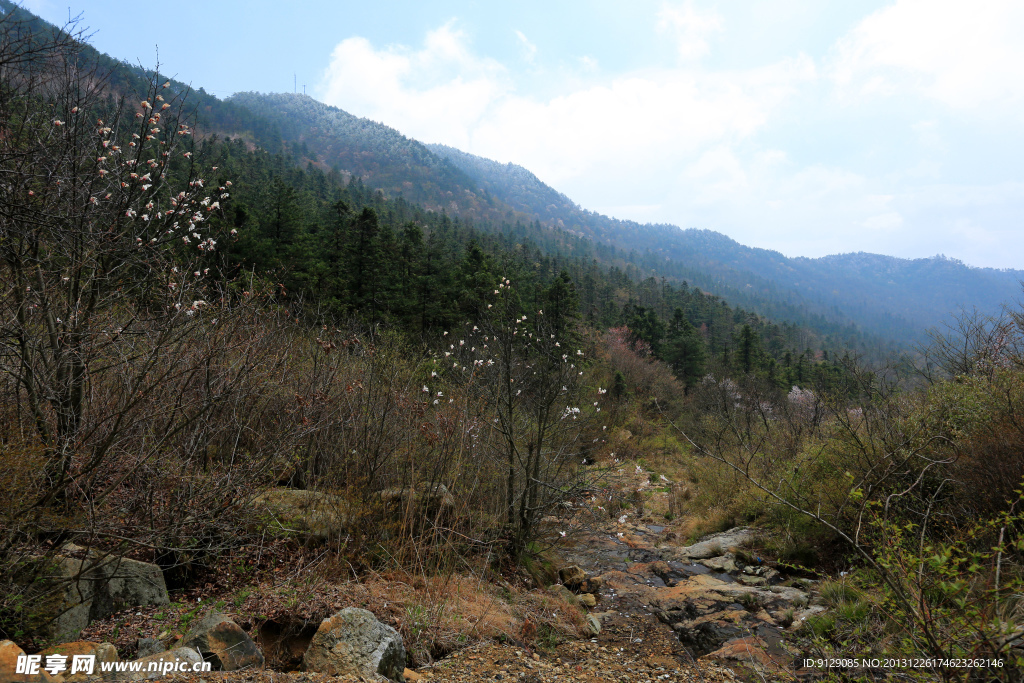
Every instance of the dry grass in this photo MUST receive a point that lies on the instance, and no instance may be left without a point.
(435, 615)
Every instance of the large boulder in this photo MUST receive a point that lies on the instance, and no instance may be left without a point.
(573, 577)
(426, 504)
(149, 646)
(438, 498)
(223, 643)
(354, 642)
(312, 514)
(9, 653)
(102, 652)
(717, 545)
(78, 586)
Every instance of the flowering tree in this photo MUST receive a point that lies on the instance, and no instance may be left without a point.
(526, 374)
(109, 287)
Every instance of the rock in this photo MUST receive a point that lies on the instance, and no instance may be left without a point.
(419, 508)
(588, 599)
(103, 652)
(312, 514)
(593, 625)
(223, 643)
(800, 616)
(572, 576)
(149, 646)
(9, 653)
(130, 583)
(593, 584)
(353, 641)
(706, 634)
(68, 592)
(564, 593)
(725, 564)
(180, 656)
(747, 650)
(748, 580)
(717, 544)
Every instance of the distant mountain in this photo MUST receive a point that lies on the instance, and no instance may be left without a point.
(892, 297)
(839, 296)
(379, 155)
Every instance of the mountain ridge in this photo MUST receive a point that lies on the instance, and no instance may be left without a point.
(889, 297)
(850, 281)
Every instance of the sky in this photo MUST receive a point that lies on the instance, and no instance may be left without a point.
(811, 127)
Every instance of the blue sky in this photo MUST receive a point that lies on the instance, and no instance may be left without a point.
(806, 126)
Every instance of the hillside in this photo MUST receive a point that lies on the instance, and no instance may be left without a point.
(378, 155)
(892, 297)
(891, 300)
(264, 414)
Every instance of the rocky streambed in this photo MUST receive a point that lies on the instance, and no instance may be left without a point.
(708, 597)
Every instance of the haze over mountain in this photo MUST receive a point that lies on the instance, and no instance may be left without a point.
(896, 299)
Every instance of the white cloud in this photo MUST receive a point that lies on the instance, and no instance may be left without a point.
(648, 119)
(443, 92)
(529, 49)
(964, 55)
(759, 153)
(690, 27)
(437, 93)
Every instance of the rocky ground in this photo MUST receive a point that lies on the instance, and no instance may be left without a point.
(656, 608)
(666, 613)
(702, 602)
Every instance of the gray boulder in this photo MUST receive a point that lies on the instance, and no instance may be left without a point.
(354, 642)
(73, 589)
(312, 514)
(149, 646)
(223, 643)
(725, 564)
(717, 544)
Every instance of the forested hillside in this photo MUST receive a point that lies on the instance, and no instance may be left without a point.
(341, 249)
(896, 299)
(866, 302)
